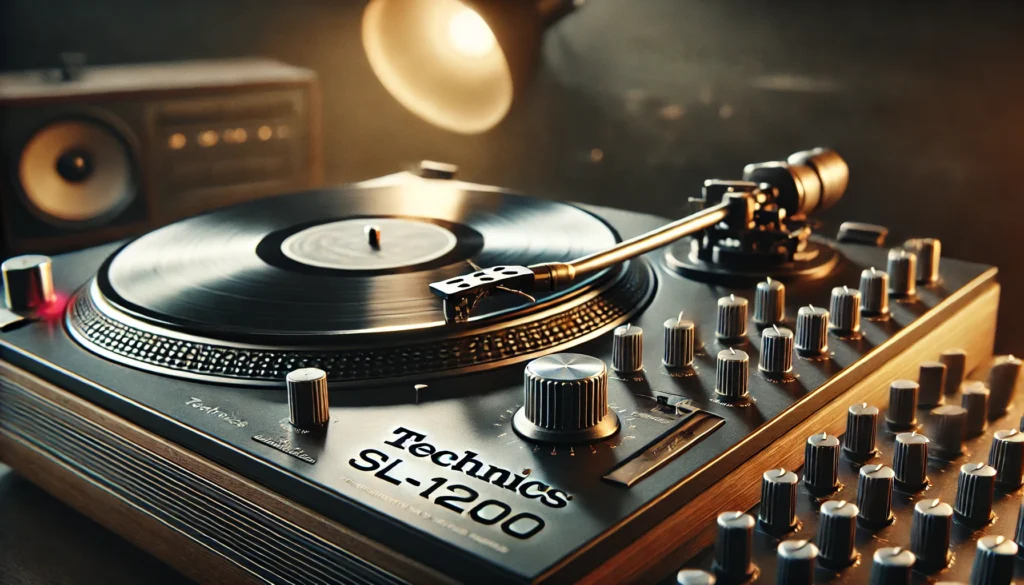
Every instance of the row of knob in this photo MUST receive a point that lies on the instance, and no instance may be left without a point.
(796, 559)
(932, 520)
(812, 323)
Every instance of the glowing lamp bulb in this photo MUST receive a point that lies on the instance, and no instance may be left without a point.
(469, 33)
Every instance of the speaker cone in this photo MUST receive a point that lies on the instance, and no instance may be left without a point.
(76, 171)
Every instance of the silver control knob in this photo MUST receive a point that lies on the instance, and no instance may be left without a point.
(929, 253)
(1002, 384)
(902, 268)
(956, 369)
(28, 282)
(932, 383)
(680, 341)
(1007, 457)
(975, 402)
(874, 292)
(734, 545)
(859, 438)
(565, 400)
(308, 406)
(776, 350)
(821, 464)
(948, 431)
(892, 566)
(874, 495)
(836, 529)
(910, 461)
(628, 349)
(695, 577)
(731, 326)
(844, 310)
(930, 531)
(975, 491)
(993, 561)
(769, 303)
(902, 412)
(796, 560)
(777, 512)
(811, 331)
(732, 375)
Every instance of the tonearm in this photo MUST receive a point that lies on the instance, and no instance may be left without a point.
(760, 221)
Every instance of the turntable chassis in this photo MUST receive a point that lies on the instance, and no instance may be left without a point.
(30, 442)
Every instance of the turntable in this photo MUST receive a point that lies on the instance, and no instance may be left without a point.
(417, 379)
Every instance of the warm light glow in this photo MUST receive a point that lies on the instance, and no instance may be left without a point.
(264, 132)
(469, 33)
(440, 60)
(235, 135)
(207, 138)
(284, 131)
(177, 141)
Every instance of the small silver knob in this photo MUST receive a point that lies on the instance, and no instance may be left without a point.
(910, 461)
(1002, 384)
(844, 310)
(836, 529)
(975, 402)
(902, 268)
(731, 375)
(732, 319)
(565, 400)
(308, 406)
(932, 383)
(929, 534)
(929, 254)
(874, 292)
(955, 363)
(821, 464)
(734, 545)
(859, 439)
(769, 302)
(1007, 457)
(28, 282)
(628, 349)
(680, 340)
(975, 491)
(811, 331)
(956, 368)
(776, 350)
(902, 412)
(993, 561)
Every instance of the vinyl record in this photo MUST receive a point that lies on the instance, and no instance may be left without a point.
(341, 262)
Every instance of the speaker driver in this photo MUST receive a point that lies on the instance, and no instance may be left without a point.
(76, 171)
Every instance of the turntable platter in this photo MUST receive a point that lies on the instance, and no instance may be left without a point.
(303, 264)
(339, 279)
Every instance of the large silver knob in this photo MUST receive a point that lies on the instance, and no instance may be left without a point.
(565, 400)
(28, 282)
(307, 398)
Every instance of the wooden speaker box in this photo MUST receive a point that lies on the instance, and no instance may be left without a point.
(93, 154)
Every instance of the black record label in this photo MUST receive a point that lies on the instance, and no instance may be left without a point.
(338, 261)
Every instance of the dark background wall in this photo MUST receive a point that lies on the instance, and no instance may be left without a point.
(924, 99)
